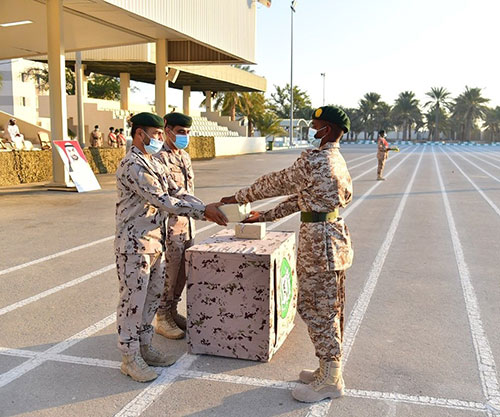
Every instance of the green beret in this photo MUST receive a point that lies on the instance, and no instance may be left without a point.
(178, 119)
(147, 120)
(333, 115)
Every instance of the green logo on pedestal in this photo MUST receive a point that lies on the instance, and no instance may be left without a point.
(286, 285)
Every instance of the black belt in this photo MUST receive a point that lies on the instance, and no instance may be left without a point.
(316, 217)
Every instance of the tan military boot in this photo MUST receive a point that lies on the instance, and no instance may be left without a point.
(167, 327)
(328, 384)
(154, 357)
(135, 367)
(179, 319)
(308, 375)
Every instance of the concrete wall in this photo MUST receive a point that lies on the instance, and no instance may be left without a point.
(239, 146)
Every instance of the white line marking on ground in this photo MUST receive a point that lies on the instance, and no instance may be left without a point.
(361, 305)
(477, 166)
(257, 382)
(53, 290)
(20, 370)
(353, 205)
(482, 160)
(55, 255)
(148, 395)
(484, 355)
(485, 197)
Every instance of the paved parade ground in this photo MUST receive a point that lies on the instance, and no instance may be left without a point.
(422, 316)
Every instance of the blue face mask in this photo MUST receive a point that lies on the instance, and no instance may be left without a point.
(181, 141)
(154, 146)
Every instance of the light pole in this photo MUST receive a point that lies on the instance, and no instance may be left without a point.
(323, 74)
(292, 11)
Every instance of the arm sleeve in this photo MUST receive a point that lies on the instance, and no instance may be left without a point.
(148, 187)
(283, 209)
(288, 181)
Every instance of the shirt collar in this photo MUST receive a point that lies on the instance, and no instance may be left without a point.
(330, 145)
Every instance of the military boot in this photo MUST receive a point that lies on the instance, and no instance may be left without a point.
(380, 179)
(179, 319)
(135, 367)
(307, 376)
(327, 384)
(154, 357)
(167, 327)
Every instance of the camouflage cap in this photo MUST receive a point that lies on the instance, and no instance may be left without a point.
(178, 119)
(147, 120)
(333, 115)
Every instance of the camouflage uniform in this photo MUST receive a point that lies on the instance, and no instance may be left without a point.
(318, 181)
(146, 195)
(382, 147)
(180, 229)
(96, 139)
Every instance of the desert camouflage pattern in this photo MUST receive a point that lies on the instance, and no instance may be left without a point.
(321, 306)
(146, 196)
(96, 138)
(382, 146)
(141, 279)
(180, 229)
(318, 181)
(241, 295)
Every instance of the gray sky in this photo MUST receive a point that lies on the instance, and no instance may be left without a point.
(386, 46)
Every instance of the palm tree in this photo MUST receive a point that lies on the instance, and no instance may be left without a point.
(443, 120)
(469, 107)
(252, 106)
(492, 123)
(367, 111)
(406, 111)
(440, 98)
(268, 124)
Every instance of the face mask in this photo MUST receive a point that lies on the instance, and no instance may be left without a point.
(154, 146)
(316, 143)
(181, 141)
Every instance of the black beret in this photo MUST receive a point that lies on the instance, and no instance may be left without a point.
(147, 120)
(333, 115)
(178, 119)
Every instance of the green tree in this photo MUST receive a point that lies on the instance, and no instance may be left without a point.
(492, 123)
(280, 102)
(406, 112)
(268, 124)
(440, 100)
(470, 106)
(443, 120)
(368, 112)
(252, 106)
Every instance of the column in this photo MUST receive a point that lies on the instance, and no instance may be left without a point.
(79, 68)
(161, 82)
(186, 95)
(57, 94)
(124, 90)
(208, 101)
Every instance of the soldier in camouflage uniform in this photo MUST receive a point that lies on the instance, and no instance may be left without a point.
(317, 184)
(180, 229)
(382, 151)
(146, 195)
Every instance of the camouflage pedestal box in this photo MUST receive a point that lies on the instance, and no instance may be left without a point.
(241, 295)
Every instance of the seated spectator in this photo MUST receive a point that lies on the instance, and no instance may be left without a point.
(122, 140)
(96, 137)
(15, 137)
(112, 141)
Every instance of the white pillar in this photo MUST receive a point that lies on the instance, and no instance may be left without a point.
(161, 83)
(186, 95)
(85, 81)
(124, 90)
(57, 93)
(208, 101)
(79, 68)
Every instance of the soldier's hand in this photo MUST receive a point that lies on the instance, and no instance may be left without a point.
(213, 214)
(229, 200)
(253, 218)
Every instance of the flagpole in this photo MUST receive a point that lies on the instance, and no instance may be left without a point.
(292, 11)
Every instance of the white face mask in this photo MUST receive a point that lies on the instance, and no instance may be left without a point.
(316, 141)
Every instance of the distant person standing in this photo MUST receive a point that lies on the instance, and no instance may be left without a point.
(96, 137)
(382, 151)
(180, 229)
(112, 141)
(122, 140)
